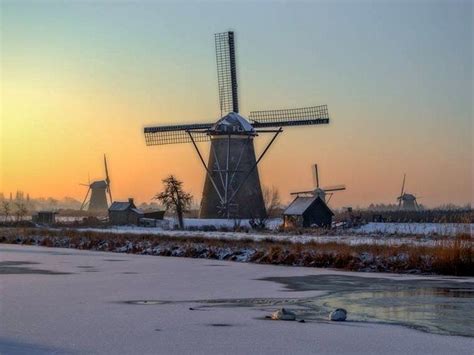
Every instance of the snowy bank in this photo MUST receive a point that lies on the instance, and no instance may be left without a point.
(417, 228)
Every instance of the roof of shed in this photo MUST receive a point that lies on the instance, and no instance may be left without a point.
(300, 204)
(137, 211)
(119, 206)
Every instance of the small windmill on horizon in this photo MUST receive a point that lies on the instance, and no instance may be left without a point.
(322, 192)
(406, 201)
(98, 190)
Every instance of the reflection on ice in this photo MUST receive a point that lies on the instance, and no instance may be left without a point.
(441, 307)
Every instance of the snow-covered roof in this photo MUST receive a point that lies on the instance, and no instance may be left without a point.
(117, 206)
(299, 205)
(233, 123)
(120, 206)
(137, 211)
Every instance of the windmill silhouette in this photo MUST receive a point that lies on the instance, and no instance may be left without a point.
(325, 193)
(232, 187)
(407, 201)
(98, 191)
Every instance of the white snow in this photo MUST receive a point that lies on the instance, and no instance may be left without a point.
(271, 224)
(83, 312)
(417, 228)
(365, 236)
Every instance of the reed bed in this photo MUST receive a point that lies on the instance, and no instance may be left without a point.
(445, 256)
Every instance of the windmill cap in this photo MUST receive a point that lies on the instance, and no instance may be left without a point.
(101, 184)
(233, 123)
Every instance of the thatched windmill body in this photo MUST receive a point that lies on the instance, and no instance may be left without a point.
(98, 191)
(406, 201)
(232, 188)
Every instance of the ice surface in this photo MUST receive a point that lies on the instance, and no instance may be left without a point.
(85, 310)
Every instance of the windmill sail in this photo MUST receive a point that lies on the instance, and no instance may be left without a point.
(334, 188)
(316, 176)
(83, 205)
(290, 117)
(226, 72)
(176, 134)
(107, 179)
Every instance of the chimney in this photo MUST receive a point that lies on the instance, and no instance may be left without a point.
(130, 201)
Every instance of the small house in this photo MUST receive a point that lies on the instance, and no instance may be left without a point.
(45, 217)
(123, 213)
(308, 212)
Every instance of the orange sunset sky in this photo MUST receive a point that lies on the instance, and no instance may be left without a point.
(82, 79)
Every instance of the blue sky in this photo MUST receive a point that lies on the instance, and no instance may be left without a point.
(396, 75)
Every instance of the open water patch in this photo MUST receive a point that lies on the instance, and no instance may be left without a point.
(433, 305)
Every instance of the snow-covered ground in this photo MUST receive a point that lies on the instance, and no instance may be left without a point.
(369, 228)
(372, 233)
(346, 239)
(417, 228)
(271, 224)
(71, 301)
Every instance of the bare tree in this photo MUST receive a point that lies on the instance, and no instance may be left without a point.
(271, 198)
(174, 198)
(21, 210)
(6, 209)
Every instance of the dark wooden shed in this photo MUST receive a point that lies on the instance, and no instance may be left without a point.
(123, 213)
(308, 212)
(45, 217)
(155, 214)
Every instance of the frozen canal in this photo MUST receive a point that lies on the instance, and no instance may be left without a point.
(71, 301)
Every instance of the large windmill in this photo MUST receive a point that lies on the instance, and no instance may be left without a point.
(232, 187)
(322, 192)
(406, 201)
(98, 190)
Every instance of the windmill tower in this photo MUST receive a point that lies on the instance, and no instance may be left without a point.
(406, 201)
(322, 192)
(98, 194)
(232, 188)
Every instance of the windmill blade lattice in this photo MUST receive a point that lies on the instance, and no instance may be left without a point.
(334, 188)
(176, 134)
(226, 72)
(290, 117)
(316, 176)
(107, 179)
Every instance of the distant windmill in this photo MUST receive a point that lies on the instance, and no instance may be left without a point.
(321, 191)
(98, 193)
(406, 201)
(232, 186)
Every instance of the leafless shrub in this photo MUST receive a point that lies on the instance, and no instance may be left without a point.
(6, 210)
(448, 256)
